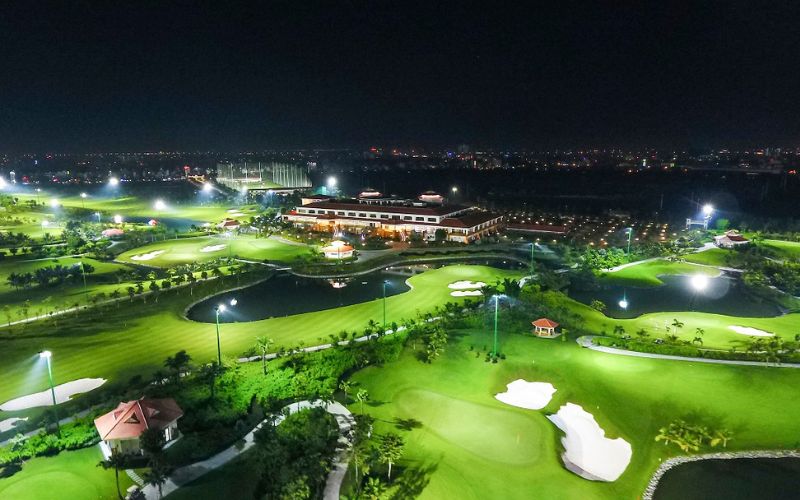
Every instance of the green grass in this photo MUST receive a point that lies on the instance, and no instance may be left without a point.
(70, 474)
(188, 250)
(784, 249)
(712, 257)
(647, 273)
(119, 342)
(470, 446)
(217, 484)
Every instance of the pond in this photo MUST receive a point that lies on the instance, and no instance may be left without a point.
(722, 295)
(286, 294)
(736, 479)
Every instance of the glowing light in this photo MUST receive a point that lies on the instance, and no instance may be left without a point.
(54, 203)
(45, 354)
(2, 183)
(84, 195)
(45, 223)
(113, 181)
(117, 219)
(160, 205)
(234, 302)
(207, 187)
(699, 282)
(708, 209)
(455, 189)
(221, 308)
(331, 181)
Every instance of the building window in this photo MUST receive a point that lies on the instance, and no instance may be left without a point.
(341, 213)
(420, 218)
(431, 219)
(407, 217)
(351, 214)
(361, 214)
(373, 216)
(384, 216)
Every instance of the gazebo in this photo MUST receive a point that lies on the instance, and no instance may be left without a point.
(338, 250)
(544, 327)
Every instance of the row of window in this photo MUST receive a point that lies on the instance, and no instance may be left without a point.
(372, 216)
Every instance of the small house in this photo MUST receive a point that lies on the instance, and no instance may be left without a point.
(121, 428)
(544, 327)
(730, 239)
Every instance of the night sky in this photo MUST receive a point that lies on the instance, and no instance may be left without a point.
(112, 76)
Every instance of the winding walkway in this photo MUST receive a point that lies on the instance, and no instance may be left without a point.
(344, 419)
(588, 342)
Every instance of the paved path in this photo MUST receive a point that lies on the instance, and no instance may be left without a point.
(344, 419)
(588, 342)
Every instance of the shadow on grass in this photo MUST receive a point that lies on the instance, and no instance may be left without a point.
(412, 481)
(407, 424)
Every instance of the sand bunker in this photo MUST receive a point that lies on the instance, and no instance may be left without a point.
(212, 248)
(466, 285)
(588, 452)
(528, 395)
(466, 293)
(10, 423)
(64, 392)
(753, 332)
(148, 256)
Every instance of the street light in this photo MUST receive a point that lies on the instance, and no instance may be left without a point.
(117, 219)
(630, 233)
(83, 199)
(533, 247)
(217, 310)
(699, 282)
(47, 355)
(54, 203)
(113, 181)
(159, 204)
(454, 189)
(708, 209)
(207, 187)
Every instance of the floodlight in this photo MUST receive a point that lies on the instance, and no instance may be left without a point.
(54, 203)
(699, 282)
(623, 304)
(160, 205)
(708, 209)
(113, 181)
(84, 195)
(207, 187)
(331, 181)
(234, 302)
(221, 308)
(45, 354)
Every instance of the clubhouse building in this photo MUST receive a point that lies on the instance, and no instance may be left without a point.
(399, 219)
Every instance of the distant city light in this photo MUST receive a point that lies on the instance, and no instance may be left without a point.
(113, 181)
(160, 205)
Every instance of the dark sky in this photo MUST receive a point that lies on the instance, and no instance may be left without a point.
(109, 75)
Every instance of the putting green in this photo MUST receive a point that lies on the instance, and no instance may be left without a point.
(647, 273)
(182, 251)
(68, 475)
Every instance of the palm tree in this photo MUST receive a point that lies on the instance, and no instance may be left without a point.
(344, 386)
(116, 461)
(361, 396)
(156, 476)
(374, 489)
(263, 343)
(390, 450)
(677, 325)
(721, 436)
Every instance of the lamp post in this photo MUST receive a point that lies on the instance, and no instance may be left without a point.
(533, 247)
(83, 200)
(384, 305)
(47, 355)
(217, 310)
(496, 311)
(630, 233)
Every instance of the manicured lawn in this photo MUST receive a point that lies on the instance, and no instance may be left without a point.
(785, 249)
(468, 445)
(206, 248)
(119, 342)
(646, 274)
(70, 475)
(713, 257)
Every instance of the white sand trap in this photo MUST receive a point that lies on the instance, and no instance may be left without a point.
(588, 453)
(212, 248)
(528, 395)
(10, 423)
(466, 293)
(64, 393)
(753, 332)
(148, 256)
(466, 285)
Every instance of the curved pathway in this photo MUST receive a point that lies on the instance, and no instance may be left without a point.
(344, 419)
(588, 342)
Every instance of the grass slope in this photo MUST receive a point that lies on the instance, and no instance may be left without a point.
(470, 446)
(647, 273)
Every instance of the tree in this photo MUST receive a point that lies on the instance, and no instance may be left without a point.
(116, 461)
(677, 324)
(374, 489)
(344, 386)
(262, 344)
(156, 476)
(598, 305)
(154, 288)
(152, 441)
(178, 363)
(361, 396)
(390, 450)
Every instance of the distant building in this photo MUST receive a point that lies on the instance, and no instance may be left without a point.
(544, 327)
(229, 225)
(338, 250)
(730, 239)
(458, 222)
(121, 428)
(431, 197)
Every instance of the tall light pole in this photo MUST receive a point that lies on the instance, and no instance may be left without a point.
(47, 355)
(83, 200)
(384, 305)
(533, 246)
(630, 233)
(217, 310)
(496, 312)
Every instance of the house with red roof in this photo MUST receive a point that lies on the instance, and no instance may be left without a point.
(730, 239)
(544, 327)
(121, 428)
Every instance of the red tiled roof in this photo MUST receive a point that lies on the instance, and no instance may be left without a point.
(736, 237)
(545, 323)
(129, 420)
(469, 220)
